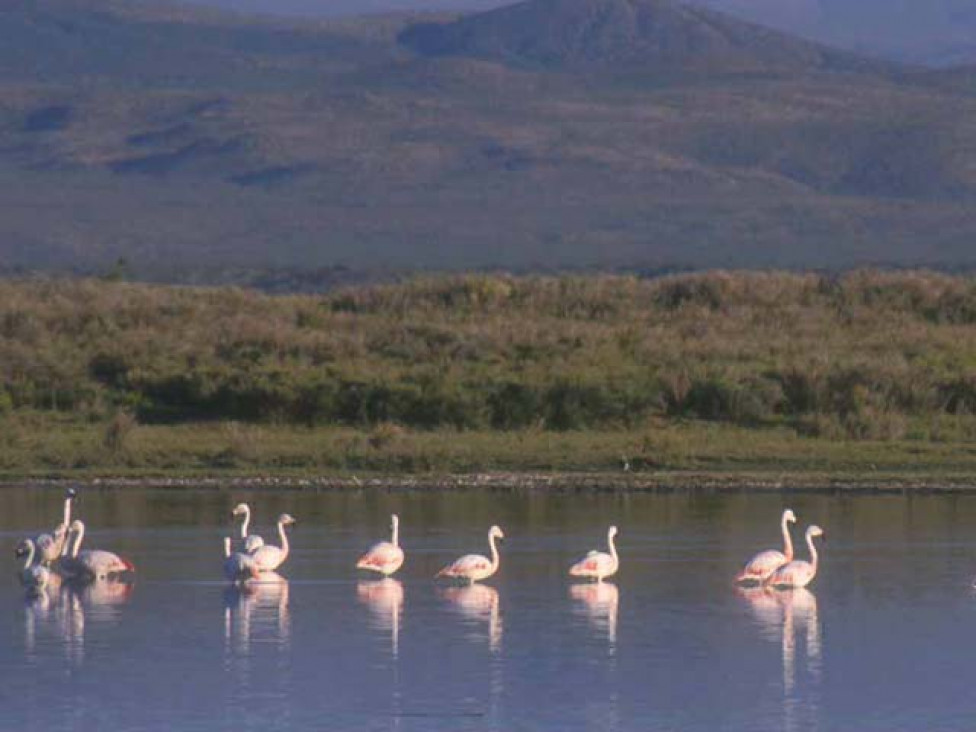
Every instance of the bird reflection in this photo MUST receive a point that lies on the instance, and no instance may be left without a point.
(257, 610)
(63, 609)
(478, 603)
(782, 615)
(598, 603)
(384, 599)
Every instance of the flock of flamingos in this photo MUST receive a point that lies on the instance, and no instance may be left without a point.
(59, 554)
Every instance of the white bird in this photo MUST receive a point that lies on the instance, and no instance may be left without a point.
(90, 564)
(474, 567)
(598, 565)
(269, 557)
(760, 567)
(386, 557)
(252, 542)
(238, 567)
(33, 576)
(51, 546)
(798, 573)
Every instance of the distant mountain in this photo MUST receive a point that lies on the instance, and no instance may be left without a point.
(650, 35)
(922, 31)
(578, 134)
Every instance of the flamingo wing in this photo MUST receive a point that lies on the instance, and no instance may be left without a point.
(794, 574)
(593, 564)
(268, 558)
(382, 557)
(102, 563)
(761, 566)
(466, 566)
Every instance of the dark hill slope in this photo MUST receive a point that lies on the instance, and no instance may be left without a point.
(272, 145)
(655, 35)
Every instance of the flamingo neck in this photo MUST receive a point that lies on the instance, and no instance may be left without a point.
(79, 537)
(284, 538)
(613, 551)
(787, 540)
(67, 512)
(247, 521)
(813, 552)
(494, 552)
(395, 539)
(227, 547)
(30, 554)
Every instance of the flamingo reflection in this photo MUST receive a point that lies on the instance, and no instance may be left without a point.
(783, 614)
(257, 610)
(598, 603)
(384, 599)
(478, 603)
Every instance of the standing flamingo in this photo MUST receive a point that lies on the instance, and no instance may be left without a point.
(252, 542)
(761, 566)
(474, 567)
(386, 557)
(268, 558)
(51, 546)
(798, 573)
(238, 566)
(91, 564)
(597, 565)
(33, 576)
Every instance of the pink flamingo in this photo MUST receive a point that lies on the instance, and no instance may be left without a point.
(761, 566)
(269, 557)
(597, 565)
(798, 573)
(386, 557)
(238, 566)
(474, 567)
(91, 564)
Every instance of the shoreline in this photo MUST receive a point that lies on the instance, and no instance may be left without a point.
(533, 482)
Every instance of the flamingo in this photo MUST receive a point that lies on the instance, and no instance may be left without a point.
(474, 567)
(51, 546)
(268, 558)
(252, 542)
(91, 564)
(761, 566)
(386, 557)
(33, 576)
(798, 573)
(597, 565)
(238, 566)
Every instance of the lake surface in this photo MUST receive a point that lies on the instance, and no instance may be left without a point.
(885, 639)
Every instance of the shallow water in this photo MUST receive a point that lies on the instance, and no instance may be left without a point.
(882, 641)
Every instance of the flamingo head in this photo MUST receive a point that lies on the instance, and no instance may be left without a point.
(286, 519)
(76, 526)
(612, 532)
(71, 493)
(496, 532)
(240, 509)
(788, 515)
(23, 548)
(815, 531)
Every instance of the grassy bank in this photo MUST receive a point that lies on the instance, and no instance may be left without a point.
(865, 374)
(671, 452)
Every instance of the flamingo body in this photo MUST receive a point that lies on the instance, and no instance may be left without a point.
(386, 557)
(90, 564)
(598, 565)
(238, 566)
(268, 558)
(760, 567)
(798, 573)
(475, 567)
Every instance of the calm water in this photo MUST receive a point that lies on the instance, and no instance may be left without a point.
(884, 640)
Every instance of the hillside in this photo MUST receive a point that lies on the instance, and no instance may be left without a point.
(650, 35)
(205, 146)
